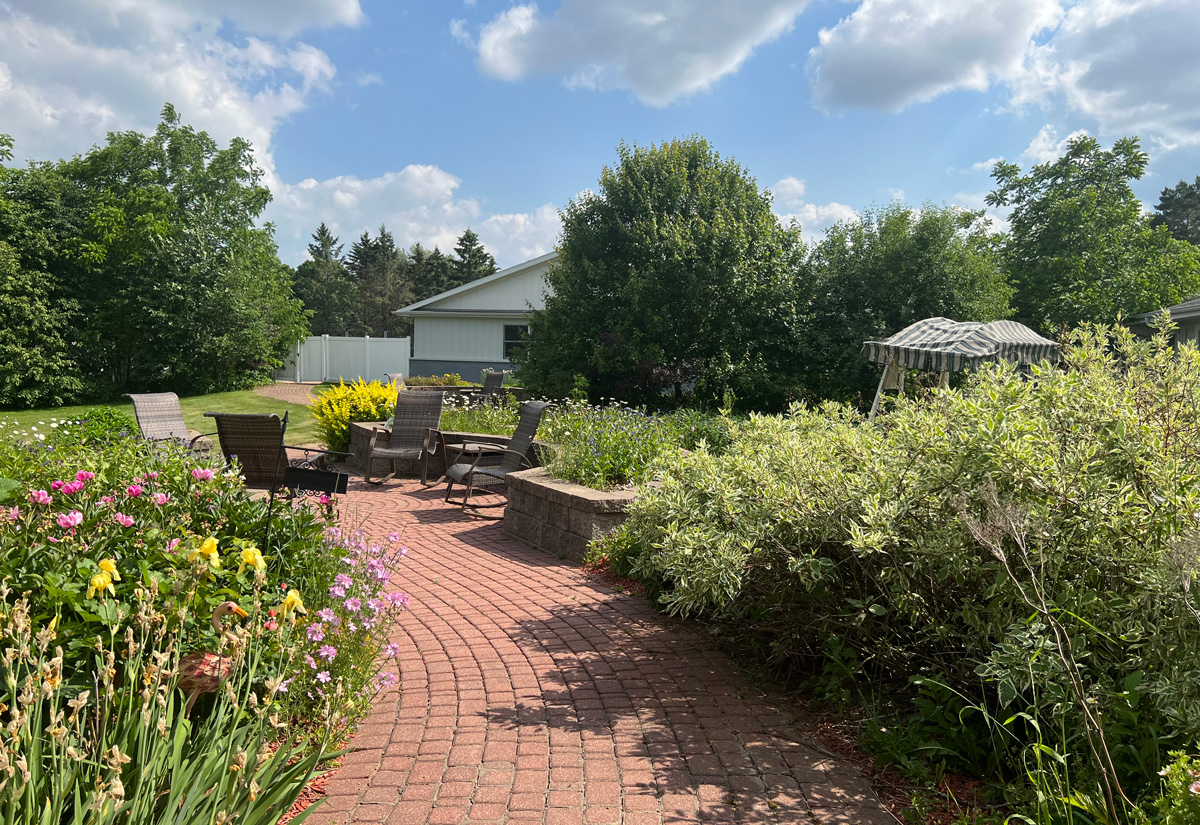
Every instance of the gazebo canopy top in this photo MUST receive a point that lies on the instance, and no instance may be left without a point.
(941, 344)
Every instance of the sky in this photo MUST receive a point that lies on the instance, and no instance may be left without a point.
(431, 117)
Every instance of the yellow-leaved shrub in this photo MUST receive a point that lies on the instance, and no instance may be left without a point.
(337, 407)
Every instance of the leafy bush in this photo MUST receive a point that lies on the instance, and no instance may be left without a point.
(336, 408)
(1026, 546)
(450, 379)
(99, 425)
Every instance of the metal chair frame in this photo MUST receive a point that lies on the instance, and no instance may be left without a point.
(160, 418)
(412, 435)
(513, 456)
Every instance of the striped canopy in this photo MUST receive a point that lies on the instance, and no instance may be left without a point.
(942, 344)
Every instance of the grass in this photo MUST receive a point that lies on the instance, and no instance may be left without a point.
(301, 428)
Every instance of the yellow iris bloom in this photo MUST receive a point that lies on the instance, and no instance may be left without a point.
(100, 583)
(207, 551)
(109, 566)
(292, 603)
(251, 557)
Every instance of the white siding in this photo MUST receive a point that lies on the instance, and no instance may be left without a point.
(511, 293)
(460, 339)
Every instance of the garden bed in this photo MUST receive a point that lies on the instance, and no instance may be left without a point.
(360, 441)
(560, 517)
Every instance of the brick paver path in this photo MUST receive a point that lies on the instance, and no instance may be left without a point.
(533, 693)
(288, 391)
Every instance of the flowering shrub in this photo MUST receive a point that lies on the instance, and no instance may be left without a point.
(466, 414)
(449, 379)
(337, 407)
(1180, 800)
(614, 445)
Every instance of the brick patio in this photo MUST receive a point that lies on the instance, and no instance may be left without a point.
(533, 693)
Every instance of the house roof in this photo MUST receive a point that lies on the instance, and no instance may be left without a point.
(1188, 309)
(427, 305)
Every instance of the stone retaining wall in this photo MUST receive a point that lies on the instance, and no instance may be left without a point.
(558, 516)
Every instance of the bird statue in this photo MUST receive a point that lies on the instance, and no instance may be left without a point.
(203, 672)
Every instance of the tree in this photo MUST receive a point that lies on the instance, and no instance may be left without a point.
(675, 276)
(170, 217)
(1179, 210)
(1080, 248)
(471, 260)
(380, 270)
(871, 278)
(324, 285)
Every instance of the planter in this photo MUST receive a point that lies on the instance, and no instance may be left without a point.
(560, 517)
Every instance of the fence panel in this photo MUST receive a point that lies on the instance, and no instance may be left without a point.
(334, 357)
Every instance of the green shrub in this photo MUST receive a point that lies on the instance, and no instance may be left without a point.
(450, 379)
(1026, 545)
(336, 408)
(470, 415)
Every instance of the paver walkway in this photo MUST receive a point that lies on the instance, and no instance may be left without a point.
(288, 391)
(533, 693)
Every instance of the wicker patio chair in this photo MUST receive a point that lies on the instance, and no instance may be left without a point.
(160, 418)
(493, 380)
(412, 437)
(398, 377)
(474, 472)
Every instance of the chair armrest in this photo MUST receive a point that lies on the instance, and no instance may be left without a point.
(192, 442)
(524, 458)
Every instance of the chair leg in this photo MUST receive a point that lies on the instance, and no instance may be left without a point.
(449, 487)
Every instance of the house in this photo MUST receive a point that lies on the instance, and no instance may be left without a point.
(1185, 316)
(474, 327)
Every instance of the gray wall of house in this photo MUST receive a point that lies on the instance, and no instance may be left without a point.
(469, 370)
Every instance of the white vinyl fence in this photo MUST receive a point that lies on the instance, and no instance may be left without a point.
(333, 357)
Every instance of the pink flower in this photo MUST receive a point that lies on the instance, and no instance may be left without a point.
(316, 633)
(133, 490)
(323, 676)
(202, 474)
(283, 686)
(388, 680)
(337, 591)
(269, 624)
(71, 520)
(324, 499)
(401, 599)
(40, 497)
(161, 498)
(172, 544)
(153, 474)
(107, 499)
(84, 475)
(327, 652)
(123, 520)
(353, 605)
(56, 486)
(375, 604)
(1195, 787)
(72, 487)
(310, 661)
(403, 552)
(343, 580)
(393, 537)
(392, 650)
(326, 615)
(14, 513)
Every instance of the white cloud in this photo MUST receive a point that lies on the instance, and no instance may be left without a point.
(813, 218)
(418, 204)
(458, 30)
(368, 79)
(986, 165)
(661, 50)
(1046, 146)
(896, 194)
(889, 54)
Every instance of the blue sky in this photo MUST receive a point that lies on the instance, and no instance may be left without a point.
(434, 116)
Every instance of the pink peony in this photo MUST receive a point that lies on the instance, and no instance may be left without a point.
(202, 474)
(84, 475)
(123, 520)
(56, 485)
(40, 497)
(133, 490)
(71, 520)
(72, 487)
(161, 498)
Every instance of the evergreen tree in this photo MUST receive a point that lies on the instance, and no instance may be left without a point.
(1179, 210)
(471, 260)
(325, 247)
(380, 270)
(326, 288)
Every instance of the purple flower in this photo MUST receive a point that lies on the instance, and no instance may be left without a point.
(392, 650)
(351, 625)
(343, 580)
(353, 605)
(315, 632)
(310, 661)
(393, 537)
(401, 599)
(283, 686)
(323, 676)
(388, 680)
(337, 591)
(375, 604)
(326, 615)
(327, 652)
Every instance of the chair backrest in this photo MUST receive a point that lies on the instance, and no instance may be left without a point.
(493, 380)
(256, 441)
(417, 412)
(398, 377)
(527, 427)
(159, 416)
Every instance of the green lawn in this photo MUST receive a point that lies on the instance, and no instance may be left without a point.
(301, 426)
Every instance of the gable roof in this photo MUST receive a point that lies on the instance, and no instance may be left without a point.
(1188, 309)
(427, 304)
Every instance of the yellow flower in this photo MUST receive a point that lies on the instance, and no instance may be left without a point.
(292, 603)
(208, 552)
(109, 566)
(100, 583)
(251, 557)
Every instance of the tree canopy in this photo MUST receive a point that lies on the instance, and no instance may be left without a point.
(1080, 248)
(675, 275)
(870, 278)
(1178, 209)
(146, 256)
